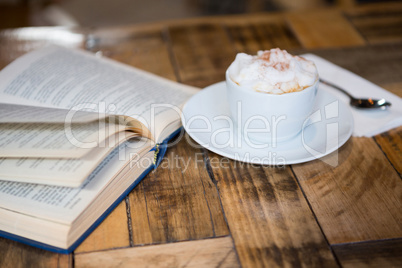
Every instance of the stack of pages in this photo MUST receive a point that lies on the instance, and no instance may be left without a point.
(77, 133)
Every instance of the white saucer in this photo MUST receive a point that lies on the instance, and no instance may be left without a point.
(206, 119)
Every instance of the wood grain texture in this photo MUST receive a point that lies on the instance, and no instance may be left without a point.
(395, 88)
(196, 195)
(177, 201)
(113, 232)
(378, 23)
(379, 64)
(201, 53)
(359, 199)
(218, 252)
(327, 28)
(252, 37)
(269, 219)
(390, 143)
(146, 49)
(385, 253)
(17, 255)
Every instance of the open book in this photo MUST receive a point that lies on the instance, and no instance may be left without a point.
(77, 133)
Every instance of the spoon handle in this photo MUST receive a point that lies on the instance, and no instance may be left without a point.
(335, 86)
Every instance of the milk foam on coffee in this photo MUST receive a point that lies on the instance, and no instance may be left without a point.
(273, 71)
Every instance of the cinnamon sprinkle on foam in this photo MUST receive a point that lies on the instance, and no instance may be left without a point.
(273, 71)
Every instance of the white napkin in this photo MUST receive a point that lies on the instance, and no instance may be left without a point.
(369, 122)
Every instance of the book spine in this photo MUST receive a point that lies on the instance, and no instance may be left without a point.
(160, 148)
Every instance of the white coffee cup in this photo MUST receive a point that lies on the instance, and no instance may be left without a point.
(269, 118)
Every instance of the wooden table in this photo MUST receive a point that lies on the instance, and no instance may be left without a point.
(199, 214)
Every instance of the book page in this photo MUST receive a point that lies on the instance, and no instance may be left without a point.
(64, 204)
(14, 113)
(56, 171)
(73, 79)
(54, 140)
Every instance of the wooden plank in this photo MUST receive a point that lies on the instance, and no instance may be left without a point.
(268, 217)
(243, 38)
(141, 229)
(374, 7)
(379, 64)
(14, 15)
(381, 27)
(386, 253)
(201, 53)
(378, 23)
(323, 29)
(177, 201)
(357, 200)
(111, 233)
(395, 88)
(16, 255)
(391, 144)
(218, 252)
(249, 38)
(145, 49)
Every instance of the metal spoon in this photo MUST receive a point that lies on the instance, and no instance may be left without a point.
(361, 103)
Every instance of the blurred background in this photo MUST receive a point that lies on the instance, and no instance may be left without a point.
(94, 13)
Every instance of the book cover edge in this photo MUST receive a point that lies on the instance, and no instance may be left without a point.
(159, 154)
